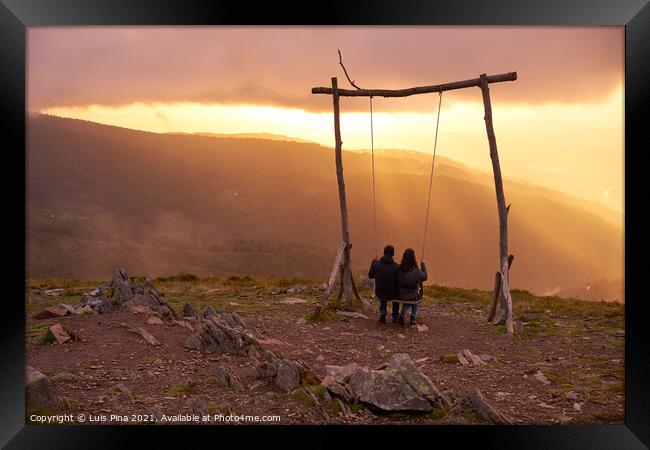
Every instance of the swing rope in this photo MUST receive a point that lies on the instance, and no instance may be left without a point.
(433, 161)
(374, 199)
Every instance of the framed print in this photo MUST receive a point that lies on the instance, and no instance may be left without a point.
(401, 221)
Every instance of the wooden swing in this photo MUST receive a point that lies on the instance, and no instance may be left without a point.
(342, 261)
(374, 197)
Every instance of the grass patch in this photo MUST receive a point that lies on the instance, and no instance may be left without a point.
(182, 277)
(45, 338)
(300, 395)
(437, 414)
(449, 359)
(526, 302)
(57, 283)
(180, 389)
(499, 329)
(240, 281)
(324, 316)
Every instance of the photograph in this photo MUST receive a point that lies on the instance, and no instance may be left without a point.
(307, 225)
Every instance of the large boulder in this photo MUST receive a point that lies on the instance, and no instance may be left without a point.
(399, 387)
(122, 292)
(38, 393)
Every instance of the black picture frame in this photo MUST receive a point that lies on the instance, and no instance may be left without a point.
(634, 15)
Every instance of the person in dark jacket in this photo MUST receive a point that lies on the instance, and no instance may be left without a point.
(409, 278)
(384, 272)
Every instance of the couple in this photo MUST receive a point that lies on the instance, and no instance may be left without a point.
(397, 282)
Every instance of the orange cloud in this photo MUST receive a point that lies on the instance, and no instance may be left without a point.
(278, 66)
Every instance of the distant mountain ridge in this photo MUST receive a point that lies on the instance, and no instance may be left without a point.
(101, 197)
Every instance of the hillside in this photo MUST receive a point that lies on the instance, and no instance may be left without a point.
(100, 197)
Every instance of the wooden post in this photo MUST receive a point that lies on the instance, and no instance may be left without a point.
(346, 274)
(501, 203)
(497, 298)
(330, 285)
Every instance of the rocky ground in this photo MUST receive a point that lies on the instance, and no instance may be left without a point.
(565, 366)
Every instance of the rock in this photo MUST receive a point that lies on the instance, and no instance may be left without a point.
(354, 314)
(531, 317)
(337, 389)
(148, 338)
(208, 312)
(564, 419)
(320, 358)
(341, 374)
(377, 334)
(485, 357)
(301, 321)
(59, 334)
(154, 320)
(479, 404)
(518, 327)
(50, 312)
(400, 386)
(285, 373)
(54, 292)
(141, 309)
(188, 310)
(84, 310)
(463, 360)
(71, 309)
(125, 292)
(620, 333)
(401, 336)
(539, 376)
(252, 352)
(296, 289)
(422, 328)
(214, 336)
(293, 301)
(38, 393)
(476, 361)
(226, 378)
(571, 395)
(184, 324)
(577, 407)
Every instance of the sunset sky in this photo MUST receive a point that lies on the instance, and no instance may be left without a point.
(560, 125)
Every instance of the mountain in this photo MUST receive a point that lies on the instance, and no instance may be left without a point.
(99, 197)
(265, 136)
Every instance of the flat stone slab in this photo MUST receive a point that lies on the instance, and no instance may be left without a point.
(50, 312)
(59, 334)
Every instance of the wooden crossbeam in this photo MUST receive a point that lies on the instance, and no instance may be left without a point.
(474, 82)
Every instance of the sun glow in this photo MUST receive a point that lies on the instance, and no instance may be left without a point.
(575, 148)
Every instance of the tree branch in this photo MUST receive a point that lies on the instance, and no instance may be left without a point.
(346, 72)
